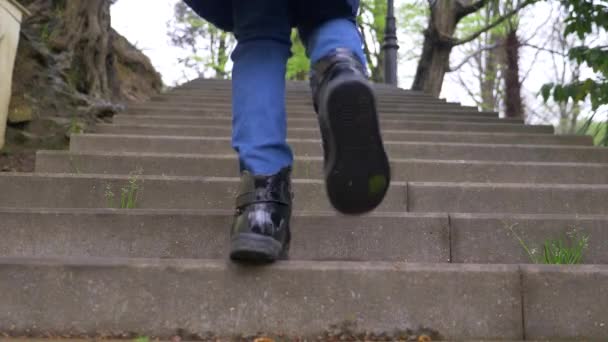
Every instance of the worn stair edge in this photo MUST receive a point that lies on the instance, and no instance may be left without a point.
(401, 124)
(410, 237)
(205, 235)
(416, 170)
(158, 192)
(388, 134)
(311, 121)
(313, 148)
(157, 297)
(164, 192)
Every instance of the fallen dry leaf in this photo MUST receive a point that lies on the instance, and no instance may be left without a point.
(424, 338)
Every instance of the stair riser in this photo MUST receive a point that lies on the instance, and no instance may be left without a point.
(447, 299)
(413, 238)
(156, 193)
(516, 198)
(299, 100)
(411, 150)
(416, 171)
(166, 193)
(490, 238)
(311, 121)
(386, 124)
(308, 113)
(298, 92)
(206, 296)
(311, 116)
(425, 238)
(313, 133)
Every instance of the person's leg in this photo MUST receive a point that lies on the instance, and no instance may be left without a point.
(357, 171)
(260, 231)
(262, 30)
(338, 33)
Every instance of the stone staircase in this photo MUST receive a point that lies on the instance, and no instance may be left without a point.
(438, 257)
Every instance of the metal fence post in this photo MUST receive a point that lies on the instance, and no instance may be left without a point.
(390, 46)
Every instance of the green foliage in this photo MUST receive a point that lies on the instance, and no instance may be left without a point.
(585, 17)
(598, 130)
(128, 193)
(298, 66)
(566, 250)
(372, 24)
(558, 252)
(45, 33)
(412, 18)
(209, 46)
(76, 126)
(142, 339)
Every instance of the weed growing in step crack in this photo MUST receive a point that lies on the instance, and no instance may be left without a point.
(76, 126)
(565, 250)
(128, 193)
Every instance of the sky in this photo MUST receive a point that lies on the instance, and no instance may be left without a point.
(149, 33)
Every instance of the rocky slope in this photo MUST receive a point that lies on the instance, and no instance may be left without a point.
(72, 70)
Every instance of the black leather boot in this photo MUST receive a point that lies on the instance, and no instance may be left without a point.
(260, 231)
(357, 171)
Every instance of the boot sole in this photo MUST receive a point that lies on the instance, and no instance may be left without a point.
(255, 248)
(357, 169)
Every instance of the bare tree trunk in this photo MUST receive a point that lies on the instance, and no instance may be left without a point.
(435, 58)
(85, 37)
(439, 39)
(490, 74)
(80, 32)
(514, 107)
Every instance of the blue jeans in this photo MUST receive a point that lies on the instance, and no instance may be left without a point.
(263, 32)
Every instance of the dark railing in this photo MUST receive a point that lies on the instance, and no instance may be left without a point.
(390, 46)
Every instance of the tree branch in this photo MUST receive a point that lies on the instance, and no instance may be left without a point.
(542, 48)
(480, 50)
(494, 24)
(472, 8)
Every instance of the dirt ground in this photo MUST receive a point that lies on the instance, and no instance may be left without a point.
(17, 161)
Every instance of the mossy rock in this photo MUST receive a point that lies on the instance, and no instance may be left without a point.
(20, 113)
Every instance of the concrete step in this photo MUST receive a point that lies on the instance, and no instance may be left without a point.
(154, 192)
(305, 111)
(303, 91)
(403, 124)
(199, 234)
(310, 115)
(164, 192)
(415, 170)
(383, 107)
(507, 198)
(302, 96)
(312, 147)
(208, 296)
(305, 98)
(195, 234)
(489, 238)
(388, 134)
